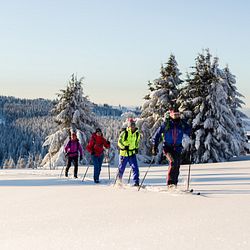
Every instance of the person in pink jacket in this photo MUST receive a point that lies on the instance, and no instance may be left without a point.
(71, 149)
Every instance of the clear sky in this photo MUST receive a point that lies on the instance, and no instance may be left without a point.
(118, 46)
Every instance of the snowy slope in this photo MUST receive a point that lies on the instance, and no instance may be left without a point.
(40, 211)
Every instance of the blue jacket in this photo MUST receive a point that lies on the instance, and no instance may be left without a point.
(171, 133)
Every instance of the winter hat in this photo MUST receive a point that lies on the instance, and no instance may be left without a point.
(98, 130)
(131, 122)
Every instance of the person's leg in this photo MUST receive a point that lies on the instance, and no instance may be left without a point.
(75, 159)
(174, 168)
(134, 165)
(169, 155)
(68, 166)
(123, 160)
(100, 160)
(96, 166)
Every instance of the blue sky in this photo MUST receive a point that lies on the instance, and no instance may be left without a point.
(118, 46)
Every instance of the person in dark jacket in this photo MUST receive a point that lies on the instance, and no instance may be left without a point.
(171, 131)
(96, 147)
(71, 149)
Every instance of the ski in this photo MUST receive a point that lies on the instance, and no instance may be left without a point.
(127, 186)
(172, 191)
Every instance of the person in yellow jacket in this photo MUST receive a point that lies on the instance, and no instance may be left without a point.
(128, 143)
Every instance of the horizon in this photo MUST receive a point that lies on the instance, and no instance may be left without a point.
(117, 47)
(245, 110)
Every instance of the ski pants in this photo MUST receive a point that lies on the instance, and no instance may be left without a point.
(123, 160)
(174, 159)
(97, 161)
(73, 159)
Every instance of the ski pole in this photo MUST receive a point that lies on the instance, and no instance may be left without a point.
(108, 165)
(117, 174)
(85, 173)
(61, 172)
(146, 173)
(129, 175)
(188, 180)
(189, 171)
(65, 155)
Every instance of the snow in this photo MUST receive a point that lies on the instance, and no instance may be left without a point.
(41, 211)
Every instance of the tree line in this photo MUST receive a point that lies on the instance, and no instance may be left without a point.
(207, 98)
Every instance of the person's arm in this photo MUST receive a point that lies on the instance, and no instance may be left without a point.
(90, 145)
(156, 137)
(122, 144)
(106, 143)
(67, 148)
(138, 140)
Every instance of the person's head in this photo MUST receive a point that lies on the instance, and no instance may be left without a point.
(98, 131)
(174, 114)
(131, 124)
(73, 136)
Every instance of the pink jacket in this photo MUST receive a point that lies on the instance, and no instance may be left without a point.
(72, 148)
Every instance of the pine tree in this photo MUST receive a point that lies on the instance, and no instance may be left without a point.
(8, 164)
(72, 113)
(37, 161)
(21, 163)
(30, 162)
(163, 92)
(204, 101)
(235, 103)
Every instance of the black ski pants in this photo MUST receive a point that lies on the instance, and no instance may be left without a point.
(174, 159)
(73, 159)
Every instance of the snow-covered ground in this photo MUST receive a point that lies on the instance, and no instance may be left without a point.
(41, 211)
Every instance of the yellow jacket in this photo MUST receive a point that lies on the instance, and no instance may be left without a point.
(129, 139)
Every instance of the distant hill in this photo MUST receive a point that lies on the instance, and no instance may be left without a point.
(25, 123)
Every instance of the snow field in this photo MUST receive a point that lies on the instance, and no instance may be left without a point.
(40, 211)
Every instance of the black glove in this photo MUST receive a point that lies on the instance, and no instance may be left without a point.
(108, 142)
(154, 150)
(126, 148)
(80, 157)
(136, 151)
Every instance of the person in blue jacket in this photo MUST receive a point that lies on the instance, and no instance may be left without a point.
(171, 131)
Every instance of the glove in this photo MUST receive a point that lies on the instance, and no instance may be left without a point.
(108, 142)
(126, 148)
(80, 157)
(154, 150)
(136, 151)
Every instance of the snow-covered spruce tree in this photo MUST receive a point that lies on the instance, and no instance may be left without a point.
(163, 91)
(235, 102)
(21, 163)
(204, 101)
(8, 164)
(72, 113)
